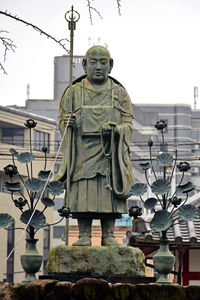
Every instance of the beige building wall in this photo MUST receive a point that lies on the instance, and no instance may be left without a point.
(12, 119)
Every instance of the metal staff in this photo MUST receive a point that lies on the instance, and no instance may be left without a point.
(71, 17)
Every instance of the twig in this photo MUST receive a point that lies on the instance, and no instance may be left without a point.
(36, 28)
(7, 45)
(119, 7)
(90, 8)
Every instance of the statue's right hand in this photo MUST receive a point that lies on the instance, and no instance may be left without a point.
(69, 120)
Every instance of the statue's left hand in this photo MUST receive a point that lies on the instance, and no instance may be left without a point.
(107, 127)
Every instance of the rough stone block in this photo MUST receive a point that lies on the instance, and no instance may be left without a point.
(115, 260)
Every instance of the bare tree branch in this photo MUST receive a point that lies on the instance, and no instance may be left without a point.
(119, 6)
(7, 45)
(36, 28)
(91, 8)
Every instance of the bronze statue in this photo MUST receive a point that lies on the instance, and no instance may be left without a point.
(100, 167)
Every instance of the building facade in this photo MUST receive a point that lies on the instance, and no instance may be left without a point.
(13, 134)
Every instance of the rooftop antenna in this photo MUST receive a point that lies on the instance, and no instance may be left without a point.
(89, 41)
(195, 96)
(28, 91)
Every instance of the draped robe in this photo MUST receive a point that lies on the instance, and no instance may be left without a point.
(94, 106)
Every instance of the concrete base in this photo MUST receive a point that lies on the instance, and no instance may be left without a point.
(97, 260)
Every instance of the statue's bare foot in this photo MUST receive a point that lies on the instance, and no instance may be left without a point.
(83, 241)
(109, 241)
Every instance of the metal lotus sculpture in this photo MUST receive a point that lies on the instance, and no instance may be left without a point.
(161, 204)
(26, 195)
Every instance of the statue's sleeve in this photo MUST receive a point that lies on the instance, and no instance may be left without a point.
(122, 172)
(64, 109)
(126, 115)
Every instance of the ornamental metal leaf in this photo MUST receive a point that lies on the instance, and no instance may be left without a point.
(160, 186)
(185, 188)
(188, 212)
(34, 184)
(150, 203)
(38, 220)
(55, 188)
(145, 166)
(14, 152)
(138, 189)
(13, 186)
(161, 221)
(44, 175)
(26, 157)
(6, 220)
(164, 159)
(47, 202)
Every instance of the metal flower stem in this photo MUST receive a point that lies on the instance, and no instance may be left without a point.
(163, 141)
(27, 171)
(141, 199)
(52, 224)
(24, 197)
(21, 178)
(173, 210)
(150, 186)
(164, 198)
(45, 160)
(178, 185)
(32, 232)
(147, 178)
(182, 178)
(159, 201)
(12, 197)
(31, 152)
(181, 204)
(175, 160)
(44, 209)
(150, 154)
(13, 160)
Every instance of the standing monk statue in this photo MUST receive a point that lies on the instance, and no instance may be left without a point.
(101, 128)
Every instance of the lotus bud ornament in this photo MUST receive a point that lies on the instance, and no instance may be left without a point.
(160, 125)
(30, 123)
(135, 211)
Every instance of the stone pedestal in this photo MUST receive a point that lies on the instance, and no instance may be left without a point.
(97, 261)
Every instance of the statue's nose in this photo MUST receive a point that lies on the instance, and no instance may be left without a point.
(98, 65)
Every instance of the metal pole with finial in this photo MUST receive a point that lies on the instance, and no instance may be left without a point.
(71, 17)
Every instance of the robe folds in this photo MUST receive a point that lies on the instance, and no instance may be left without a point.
(93, 106)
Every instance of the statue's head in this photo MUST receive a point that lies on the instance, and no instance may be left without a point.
(97, 64)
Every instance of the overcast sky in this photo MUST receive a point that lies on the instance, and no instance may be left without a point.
(155, 45)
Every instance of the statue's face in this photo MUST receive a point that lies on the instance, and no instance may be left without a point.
(97, 66)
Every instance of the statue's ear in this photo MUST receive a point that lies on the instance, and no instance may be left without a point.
(111, 64)
(84, 62)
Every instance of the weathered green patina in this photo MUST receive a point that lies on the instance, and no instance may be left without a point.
(101, 125)
(115, 260)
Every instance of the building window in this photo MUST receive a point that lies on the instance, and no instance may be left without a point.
(58, 232)
(124, 221)
(13, 136)
(40, 139)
